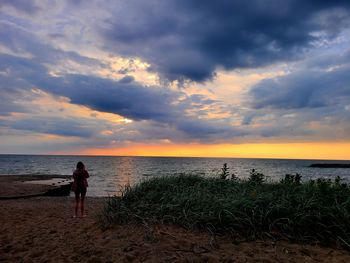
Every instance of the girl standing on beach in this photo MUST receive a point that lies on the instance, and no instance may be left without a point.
(79, 187)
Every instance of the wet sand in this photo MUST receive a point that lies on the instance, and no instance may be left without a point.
(41, 229)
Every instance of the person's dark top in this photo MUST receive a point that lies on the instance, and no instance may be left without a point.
(80, 183)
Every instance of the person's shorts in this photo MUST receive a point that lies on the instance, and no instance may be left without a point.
(80, 190)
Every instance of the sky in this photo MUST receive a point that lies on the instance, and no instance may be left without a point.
(256, 78)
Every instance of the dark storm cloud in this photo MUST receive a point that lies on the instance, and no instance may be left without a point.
(208, 130)
(25, 43)
(182, 40)
(9, 104)
(189, 39)
(25, 6)
(137, 102)
(53, 125)
(322, 82)
(126, 79)
(12, 84)
(125, 97)
(313, 99)
(128, 99)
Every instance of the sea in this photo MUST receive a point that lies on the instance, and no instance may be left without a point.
(110, 174)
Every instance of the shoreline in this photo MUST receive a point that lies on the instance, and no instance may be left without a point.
(41, 229)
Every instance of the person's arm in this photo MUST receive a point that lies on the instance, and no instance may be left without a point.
(86, 174)
(74, 185)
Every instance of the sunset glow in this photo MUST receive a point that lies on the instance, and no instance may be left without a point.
(331, 151)
(90, 78)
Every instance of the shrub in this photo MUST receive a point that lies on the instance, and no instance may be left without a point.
(292, 179)
(255, 177)
(311, 211)
(224, 172)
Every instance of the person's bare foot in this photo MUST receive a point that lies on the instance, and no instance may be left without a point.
(83, 215)
(74, 216)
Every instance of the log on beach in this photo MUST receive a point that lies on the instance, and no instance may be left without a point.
(26, 186)
(57, 186)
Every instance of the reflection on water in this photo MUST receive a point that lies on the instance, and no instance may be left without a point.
(110, 174)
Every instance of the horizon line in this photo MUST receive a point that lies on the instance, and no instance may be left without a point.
(169, 156)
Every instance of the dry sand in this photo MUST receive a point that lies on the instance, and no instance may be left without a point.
(41, 229)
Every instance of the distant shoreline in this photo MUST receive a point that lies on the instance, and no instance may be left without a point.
(330, 165)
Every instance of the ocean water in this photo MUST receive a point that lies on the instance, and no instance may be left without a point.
(108, 175)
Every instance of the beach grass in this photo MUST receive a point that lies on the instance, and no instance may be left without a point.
(312, 211)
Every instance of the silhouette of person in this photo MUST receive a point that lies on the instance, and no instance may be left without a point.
(79, 187)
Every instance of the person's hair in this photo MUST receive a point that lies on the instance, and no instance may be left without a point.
(80, 165)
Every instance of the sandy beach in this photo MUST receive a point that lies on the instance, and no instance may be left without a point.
(41, 229)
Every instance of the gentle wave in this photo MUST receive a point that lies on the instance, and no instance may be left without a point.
(110, 174)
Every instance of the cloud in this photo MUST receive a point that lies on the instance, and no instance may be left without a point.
(191, 39)
(128, 99)
(124, 97)
(20, 42)
(321, 82)
(9, 103)
(53, 125)
(311, 101)
(126, 79)
(179, 40)
(28, 7)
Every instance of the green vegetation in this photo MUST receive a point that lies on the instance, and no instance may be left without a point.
(310, 211)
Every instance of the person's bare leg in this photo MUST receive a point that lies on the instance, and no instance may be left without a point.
(76, 203)
(82, 201)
